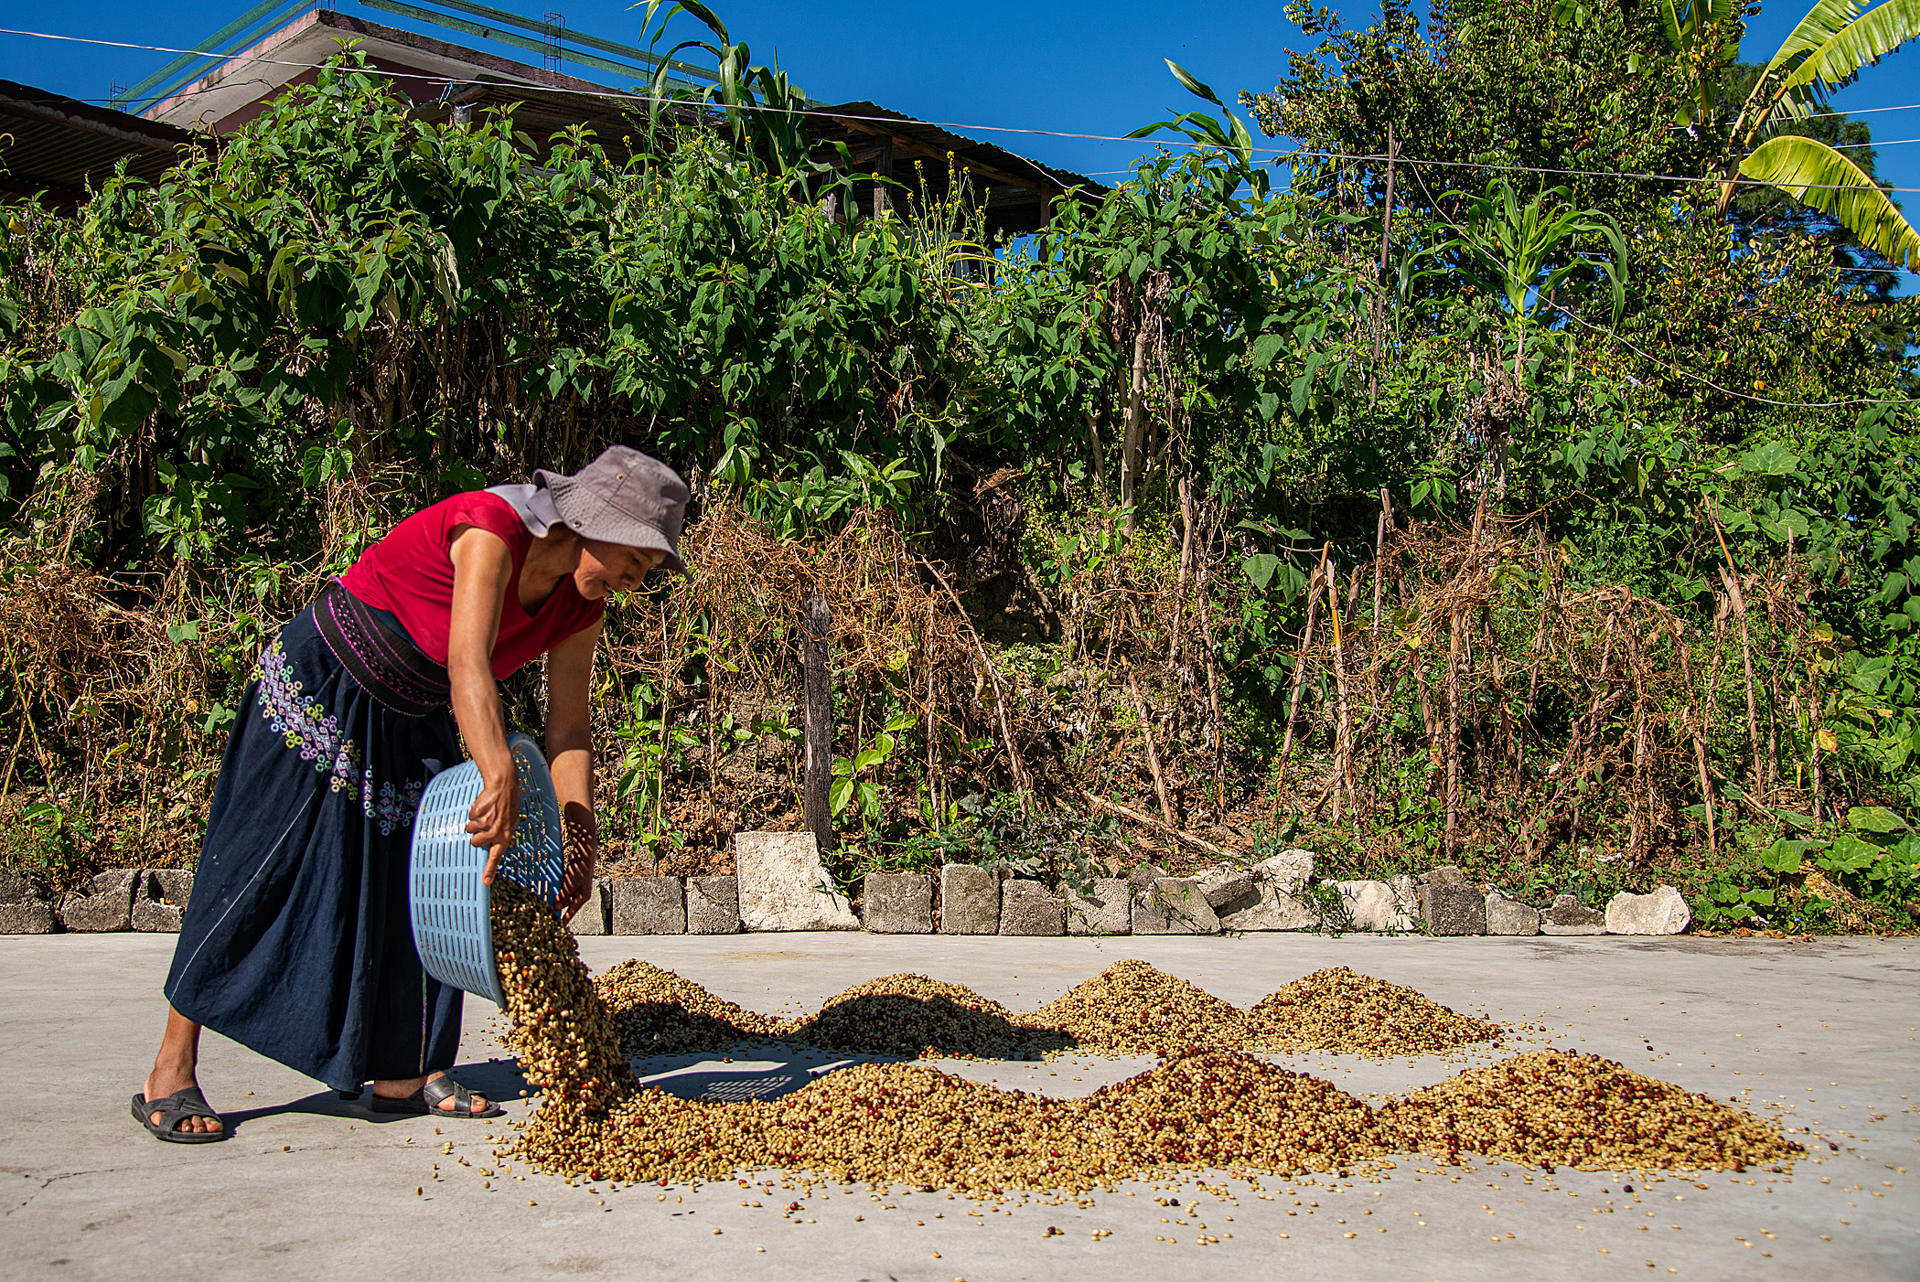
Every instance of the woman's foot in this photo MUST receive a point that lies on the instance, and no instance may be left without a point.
(173, 1071)
(434, 1093)
(174, 1107)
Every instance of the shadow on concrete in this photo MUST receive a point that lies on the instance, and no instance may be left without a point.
(902, 1024)
(756, 1071)
(499, 1080)
(882, 1024)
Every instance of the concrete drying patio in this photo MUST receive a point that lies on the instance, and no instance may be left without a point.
(1826, 1033)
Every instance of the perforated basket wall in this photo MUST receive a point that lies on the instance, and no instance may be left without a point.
(452, 929)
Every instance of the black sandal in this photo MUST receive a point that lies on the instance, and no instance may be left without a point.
(430, 1096)
(175, 1109)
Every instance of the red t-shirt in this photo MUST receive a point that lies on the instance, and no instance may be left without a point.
(410, 572)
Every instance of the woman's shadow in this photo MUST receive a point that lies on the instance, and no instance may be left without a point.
(497, 1079)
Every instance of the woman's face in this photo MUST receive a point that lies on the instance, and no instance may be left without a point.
(612, 567)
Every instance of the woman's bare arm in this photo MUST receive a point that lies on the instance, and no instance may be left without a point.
(570, 756)
(482, 568)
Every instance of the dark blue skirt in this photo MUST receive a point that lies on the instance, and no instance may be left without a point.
(296, 941)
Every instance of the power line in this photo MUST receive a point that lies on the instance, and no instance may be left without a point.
(1725, 391)
(1490, 166)
(1860, 111)
(1287, 153)
(1855, 146)
(1666, 364)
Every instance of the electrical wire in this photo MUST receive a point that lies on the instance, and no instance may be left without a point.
(1861, 111)
(1287, 153)
(1855, 146)
(1666, 364)
(1725, 391)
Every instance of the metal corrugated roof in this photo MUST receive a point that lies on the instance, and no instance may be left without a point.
(62, 146)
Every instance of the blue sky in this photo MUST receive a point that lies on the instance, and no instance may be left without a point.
(1071, 65)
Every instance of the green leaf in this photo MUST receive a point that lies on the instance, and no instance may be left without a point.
(1836, 52)
(1819, 177)
(839, 794)
(1874, 819)
(1770, 459)
(1783, 856)
(1266, 347)
(1191, 83)
(1260, 569)
(1848, 854)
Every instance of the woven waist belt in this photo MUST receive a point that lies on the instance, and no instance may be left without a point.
(379, 654)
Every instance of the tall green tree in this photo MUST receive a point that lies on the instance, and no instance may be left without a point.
(1496, 84)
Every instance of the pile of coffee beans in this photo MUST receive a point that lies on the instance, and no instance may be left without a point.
(1131, 1008)
(1351, 1014)
(1209, 1105)
(1564, 1108)
(915, 1016)
(659, 1013)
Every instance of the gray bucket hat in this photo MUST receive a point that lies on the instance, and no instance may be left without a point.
(623, 497)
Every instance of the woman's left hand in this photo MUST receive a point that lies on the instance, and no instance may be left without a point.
(583, 847)
(570, 758)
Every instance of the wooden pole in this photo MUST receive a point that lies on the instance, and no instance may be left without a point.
(999, 695)
(1153, 752)
(883, 175)
(1730, 578)
(1343, 732)
(1380, 280)
(1379, 585)
(817, 716)
(1180, 578)
(1300, 663)
(1453, 727)
(1732, 584)
(1213, 702)
(1133, 443)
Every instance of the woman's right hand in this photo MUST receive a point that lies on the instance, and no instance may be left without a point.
(494, 816)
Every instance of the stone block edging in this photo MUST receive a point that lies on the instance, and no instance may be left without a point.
(897, 903)
(965, 899)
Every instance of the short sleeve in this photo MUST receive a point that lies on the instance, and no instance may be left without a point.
(490, 512)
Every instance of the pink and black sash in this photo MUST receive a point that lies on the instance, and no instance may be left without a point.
(379, 654)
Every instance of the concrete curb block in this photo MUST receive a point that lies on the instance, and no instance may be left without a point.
(1174, 906)
(22, 911)
(962, 899)
(593, 918)
(897, 903)
(106, 906)
(713, 905)
(969, 901)
(1104, 908)
(1031, 908)
(648, 906)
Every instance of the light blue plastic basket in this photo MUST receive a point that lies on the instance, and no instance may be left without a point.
(452, 929)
